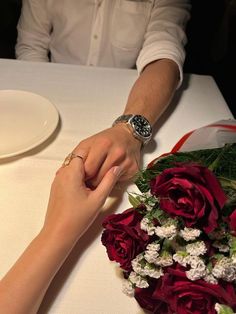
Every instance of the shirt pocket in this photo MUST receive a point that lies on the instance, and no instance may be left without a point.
(129, 23)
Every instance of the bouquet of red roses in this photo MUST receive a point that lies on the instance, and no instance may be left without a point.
(177, 244)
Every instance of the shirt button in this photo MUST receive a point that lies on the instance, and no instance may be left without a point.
(95, 36)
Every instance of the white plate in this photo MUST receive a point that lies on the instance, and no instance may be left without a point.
(26, 120)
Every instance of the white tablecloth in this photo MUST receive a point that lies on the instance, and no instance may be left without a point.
(88, 100)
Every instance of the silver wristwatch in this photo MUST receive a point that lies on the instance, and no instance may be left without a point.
(139, 126)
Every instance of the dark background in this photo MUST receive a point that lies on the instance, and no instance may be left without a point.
(211, 48)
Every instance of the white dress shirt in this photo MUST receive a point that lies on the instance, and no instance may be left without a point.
(110, 33)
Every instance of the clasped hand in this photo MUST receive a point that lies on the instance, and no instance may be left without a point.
(115, 146)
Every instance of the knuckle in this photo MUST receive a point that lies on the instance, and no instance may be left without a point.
(104, 142)
(81, 146)
(119, 153)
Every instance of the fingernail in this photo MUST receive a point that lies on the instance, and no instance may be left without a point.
(117, 171)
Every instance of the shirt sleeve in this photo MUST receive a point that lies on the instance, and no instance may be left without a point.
(34, 29)
(165, 36)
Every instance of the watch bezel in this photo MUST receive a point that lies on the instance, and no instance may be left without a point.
(132, 124)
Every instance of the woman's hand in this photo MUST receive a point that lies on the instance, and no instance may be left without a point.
(72, 205)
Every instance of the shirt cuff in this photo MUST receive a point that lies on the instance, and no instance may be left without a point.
(152, 53)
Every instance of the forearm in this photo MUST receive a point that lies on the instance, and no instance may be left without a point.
(153, 90)
(29, 278)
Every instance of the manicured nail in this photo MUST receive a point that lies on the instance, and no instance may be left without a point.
(117, 170)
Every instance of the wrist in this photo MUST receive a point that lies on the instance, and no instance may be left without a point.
(58, 236)
(122, 127)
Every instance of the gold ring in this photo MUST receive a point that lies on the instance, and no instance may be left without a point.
(69, 158)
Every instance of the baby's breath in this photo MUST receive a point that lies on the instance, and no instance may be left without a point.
(196, 248)
(138, 281)
(152, 252)
(128, 288)
(168, 231)
(225, 269)
(189, 234)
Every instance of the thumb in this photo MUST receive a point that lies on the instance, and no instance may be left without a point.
(106, 185)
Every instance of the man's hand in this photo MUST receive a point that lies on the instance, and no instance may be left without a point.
(115, 146)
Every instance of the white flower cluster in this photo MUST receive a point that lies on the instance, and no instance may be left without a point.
(152, 256)
(142, 269)
(189, 234)
(134, 280)
(198, 268)
(210, 278)
(137, 265)
(138, 280)
(152, 252)
(191, 257)
(147, 226)
(181, 257)
(164, 260)
(225, 269)
(153, 272)
(145, 266)
(128, 288)
(168, 231)
(196, 248)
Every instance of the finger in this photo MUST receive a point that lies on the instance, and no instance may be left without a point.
(116, 157)
(94, 161)
(82, 152)
(106, 185)
(74, 168)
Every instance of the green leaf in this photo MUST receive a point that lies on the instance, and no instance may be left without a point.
(229, 187)
(134, 201)
(157, 213)
(223, 309)
(232, 245)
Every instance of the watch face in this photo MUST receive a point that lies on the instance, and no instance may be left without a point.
(141, 126)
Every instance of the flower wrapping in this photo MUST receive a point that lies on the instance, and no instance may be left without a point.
(176, 245)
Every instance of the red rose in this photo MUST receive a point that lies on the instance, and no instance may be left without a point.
(232, 221)
(123, 238)
(192, 192)
(196, 297)
(184, 296)
(152, 298)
